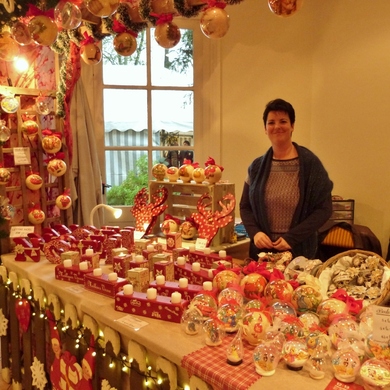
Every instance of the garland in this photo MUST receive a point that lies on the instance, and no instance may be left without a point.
(188, 12)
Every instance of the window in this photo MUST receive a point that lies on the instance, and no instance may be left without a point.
(149, 103)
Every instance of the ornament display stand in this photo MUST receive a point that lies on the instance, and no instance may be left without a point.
(18, 172)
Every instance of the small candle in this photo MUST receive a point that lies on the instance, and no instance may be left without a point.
(83, 265)
(175, 297)
(160, 279)
(222, 254)
(207, 286)
(139, 258)
(151, 293)
(67, 263)
(181, 260)
(207, 251)
(196, 267)
(183, 282)
(112, 276)
(210, 273)
(89, 252)
(97, 272)
(191, 248)
(128, 289)
(150, 248)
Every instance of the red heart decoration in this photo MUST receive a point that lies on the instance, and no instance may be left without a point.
(23, 313)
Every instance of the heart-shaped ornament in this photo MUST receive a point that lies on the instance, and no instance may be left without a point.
(23, 313)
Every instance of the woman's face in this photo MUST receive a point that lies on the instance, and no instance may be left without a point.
(278, 127)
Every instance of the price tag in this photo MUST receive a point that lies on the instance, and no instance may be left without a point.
(21, 231)
(132, 322)
(22, 156)
(200, 243)
(381, 324)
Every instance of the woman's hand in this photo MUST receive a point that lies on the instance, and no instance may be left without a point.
(261, 240)
(281, 244)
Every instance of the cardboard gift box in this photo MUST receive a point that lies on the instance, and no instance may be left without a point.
(128, 238)
(180, 252)
(173, 241)
(71, 274)
(93, 259)
(207, 260)
(168, 288)
(194, 277)
(139, 264)
(148, 255)
(226, 264)
(139, 278)
(160, 308)
(158, 257)
(72, 255)
(102, 285)
(121, 264)
(165, 268)
(140, 244)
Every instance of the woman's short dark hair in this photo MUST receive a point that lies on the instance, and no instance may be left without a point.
(186, 143)
(279, 105)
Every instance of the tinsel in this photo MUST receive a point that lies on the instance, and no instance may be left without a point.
(127, 22)
(145, 9)
(188, 12)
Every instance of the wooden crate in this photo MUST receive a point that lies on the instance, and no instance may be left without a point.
(182, 202)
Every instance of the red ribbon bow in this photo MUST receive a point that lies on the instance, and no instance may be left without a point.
(216, 4)
(118, 27)
(354, 305)
(211, 161)
(35, 11)
(168, 216)
(162, 18)
(87, 39)
(50, 132)
(59, 155)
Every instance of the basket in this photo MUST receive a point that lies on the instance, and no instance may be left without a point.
(384, 298)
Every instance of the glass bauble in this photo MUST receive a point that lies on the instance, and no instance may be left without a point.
(278, 290)
(67, 15)
(254, 305)
(254, 326)
(214, 333)
(235, 350)
(102, 8)
(225, 279)
(229, 315)
(295, 354)
(192, 321)
(9, 49)
(34, 182)
(339, 327)
(30, 127)
(9, 104)
(43, 30)
(51, 144)
(63, 202)
(5, 132)
(279, 310)
(329, 308)
(56, 167)
(346, 365)
(317, 365)
(5, 176)
(159, 171)
(125, 44)
(306, 298)
(309, 320)
(36, 216)
(205, 303)
(379, 350)
(285, 8)
(253, 285)
(42, 106)
(266, 357)
(21, 34)
(230, 294)
(214, 23)
(90, 53)
(167, 35)
(375, 374)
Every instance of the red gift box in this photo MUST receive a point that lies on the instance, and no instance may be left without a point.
(168, 288)
(128, 238)
(72, 255)
(194, 277)
(226, 264)
(165, 268)
(180, 252)
(71, 274)
(173, 241)
(207, 260)
(148, 255)
(139, 278)
(103, 286)
(121, 264)
(141, 244)
(160, 308)
(93, 260)
(139, 264)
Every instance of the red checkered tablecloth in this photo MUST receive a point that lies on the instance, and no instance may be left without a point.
(209, 364)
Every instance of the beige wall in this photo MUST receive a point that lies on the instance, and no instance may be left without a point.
(332, 62)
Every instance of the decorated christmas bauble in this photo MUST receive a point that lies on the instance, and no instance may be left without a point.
(340, 327)
(254, 326)
(253, 285)
(159, 171)
(230, 314)
(295, 353)
(169, 226)
(30, 127)
(266, 357)
(9, 104)
(51, 144)
(185, 173)
(230, 294)
(90, 53)
(278, 289)
(5, 176)
(329, 308)
(34, 181)
(63, 201)
(225, 279)
(173, 173)
(56, 167)
(67, 15)
(125, 44)
(43, 30)
(280, 310)
(167, 35)
(198, 175)
(213, 173)
(375, 373)
(285, 8)
(5, 132)
(42, 106)
(188, 230)
(21, 34)
(254, 305)
(9, 49)
(306, 298)
(346, 365)
(205, 303)
(36, 216)
(102, 8)
(214, 23)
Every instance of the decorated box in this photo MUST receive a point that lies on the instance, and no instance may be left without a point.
(160, 257)
(141, 244)
(180, 252)
(194, 277)
(139, 278)
(71, 274)
(128, 238)
(121, 264)
(148, 254)
(168, 288)
(160, 308)
(92, 259)
(72, 255)
(134, 263)
(207, 260)
(173, 241)
(102, 285)
(108, 245)
(165, 268)
(226, 264)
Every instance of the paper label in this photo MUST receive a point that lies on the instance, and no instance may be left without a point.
(132, 322)
(22, 156)
(21, 231)
(381, 324)
(200, 243)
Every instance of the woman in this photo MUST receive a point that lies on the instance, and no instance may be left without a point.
(287, 194)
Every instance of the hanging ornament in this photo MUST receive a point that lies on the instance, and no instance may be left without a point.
(21, 34)
(235, 350)
(285, 8)
(36, 216)
(214, 21)
(213, 172)
(9, 49)
(64, 201)
(7, 211)
(5, 176)
(89, 51)
(131, 8)
(9, 104)
(42, 106)
(23, 313)
(56, 167)
(102, 8)
(30, 128)
(5, 132)
(166, 33)
(34, 181)
(42, 28)
(67, 15)
(125, 42)
(51, 143)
